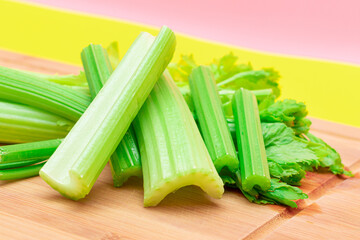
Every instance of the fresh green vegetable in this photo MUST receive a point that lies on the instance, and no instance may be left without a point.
(328, 157)
(20, 87)
(211, 119)
(22, 172)
(288, 111)
(97, 67)
(20, 123)
(26, 153)
(254, 170)
(125, 161)
(229, 77)
(76, 164)
(173, 154)
(288, 156)
(259, 94)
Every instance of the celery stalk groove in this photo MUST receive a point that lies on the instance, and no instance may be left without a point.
(254, 168)
(20, 123)
(125, 161)
(28, 89)
(173, 153)
(212, 120)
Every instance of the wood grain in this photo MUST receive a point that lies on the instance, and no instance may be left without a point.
(30, 209)
(334, 216)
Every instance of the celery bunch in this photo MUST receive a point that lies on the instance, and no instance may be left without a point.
(77, 162)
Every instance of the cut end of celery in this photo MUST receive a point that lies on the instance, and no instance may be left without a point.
(261, 182)
(207, 181)
(70, 187)
(229, 161)
(119, 180)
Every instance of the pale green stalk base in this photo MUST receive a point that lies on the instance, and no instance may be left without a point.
(119, 178)
(206, 180)
(173, 153)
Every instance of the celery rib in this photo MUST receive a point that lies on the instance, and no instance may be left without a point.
(212, 120)
(173, 153)
(76, 164)
(28, 89)
(21, 123)
(26, 153)
(22, 172)
(254, 168)
(125, 161)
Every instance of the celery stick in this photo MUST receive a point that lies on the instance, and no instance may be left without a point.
(241, 75)
(254, 169)
(20, 123)
(173, 153)
(97, 67)
(259, 94)
(125, 161)
(20, 87)
(27, 153)
(212, 120)
(78, 161)
(262, 93)
(22, 172)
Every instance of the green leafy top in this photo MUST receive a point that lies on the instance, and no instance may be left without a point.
(288, 111)
(328, 157)
(288, 156)
(226, 69)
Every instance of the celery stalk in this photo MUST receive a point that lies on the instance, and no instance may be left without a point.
(20, 123)
(20, 87)
(78, 161)
(27, 153)
(22, 172)
(212, 120)
(173, 153)
(125, 161)
(254, 169)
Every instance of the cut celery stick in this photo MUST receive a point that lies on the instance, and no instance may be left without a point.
(125, 161)
(27, 153)
(97, 67)
(20, 87)
(212, 120)
(22, 172)
(254, 168)
(173, 153)
(20, 123)
(78, 161)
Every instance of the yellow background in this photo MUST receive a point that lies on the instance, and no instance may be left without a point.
(330, 90)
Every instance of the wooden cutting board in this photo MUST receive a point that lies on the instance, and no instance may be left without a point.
(30, 209)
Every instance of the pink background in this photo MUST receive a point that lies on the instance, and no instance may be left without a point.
(325, 29)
